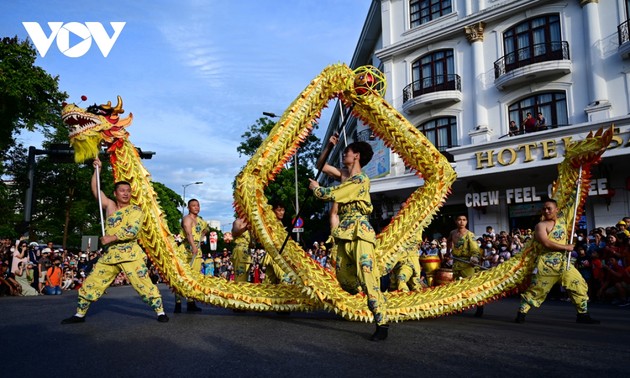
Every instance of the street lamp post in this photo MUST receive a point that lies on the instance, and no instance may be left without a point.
(295, 166)
(184, 196)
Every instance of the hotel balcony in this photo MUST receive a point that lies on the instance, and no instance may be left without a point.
(434, 90)
(623, 33)
(532, 63)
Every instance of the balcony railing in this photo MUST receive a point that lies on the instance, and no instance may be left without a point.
(540, 52)
(623, 32)
(521, 130)
(432, 84)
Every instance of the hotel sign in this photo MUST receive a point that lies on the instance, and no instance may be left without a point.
(546, 149)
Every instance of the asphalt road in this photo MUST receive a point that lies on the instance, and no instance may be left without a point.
(121, 337)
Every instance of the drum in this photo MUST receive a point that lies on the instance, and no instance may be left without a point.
(430, 263)
(442, 276)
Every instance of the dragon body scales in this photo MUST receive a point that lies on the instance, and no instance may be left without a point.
(314, 287)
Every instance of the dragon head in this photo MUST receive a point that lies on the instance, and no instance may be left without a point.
(95, 126)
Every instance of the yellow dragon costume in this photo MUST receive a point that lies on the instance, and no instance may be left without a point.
(314, 287)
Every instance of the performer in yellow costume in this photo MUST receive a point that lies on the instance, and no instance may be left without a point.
(355, 237)
(123, 253)
(273, 273)
(463, 245)
(407, 273)
(241, 253)
(193, 230)
(464, 248)
(551, 234)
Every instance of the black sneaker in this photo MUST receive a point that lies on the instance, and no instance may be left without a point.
(380, 333)
(73, 320)
(586, 319)
(520, 318)
(162, 318)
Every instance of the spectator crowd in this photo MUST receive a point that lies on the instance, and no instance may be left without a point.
(602, 256)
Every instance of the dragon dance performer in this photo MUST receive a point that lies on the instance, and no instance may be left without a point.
(193, 230)
(273, 273)
(407, 273)
(355, 237)
(241, 253)
(551, 233)
(123, 223)
(463, 245)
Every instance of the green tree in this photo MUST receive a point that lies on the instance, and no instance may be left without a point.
(283, 187)
(12, 194)
(29, 99)
(170, 202)
(29, 96)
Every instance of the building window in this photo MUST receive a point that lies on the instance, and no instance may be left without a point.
(442, 132)
(552, 105)
(423, 11)
(536, 39)
(433, 72)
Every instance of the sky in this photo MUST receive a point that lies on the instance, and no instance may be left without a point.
(196, 74)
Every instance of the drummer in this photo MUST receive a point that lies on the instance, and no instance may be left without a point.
(463, 246)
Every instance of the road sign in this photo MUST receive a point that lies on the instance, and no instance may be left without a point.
(298, 224)
(298, 229)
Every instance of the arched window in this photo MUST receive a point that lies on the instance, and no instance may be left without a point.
(442, 132)
(433, 72)
(423, 11)
(552, 105)
(535, 40)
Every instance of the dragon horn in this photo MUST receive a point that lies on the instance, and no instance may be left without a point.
(118, 109)
(115, 110)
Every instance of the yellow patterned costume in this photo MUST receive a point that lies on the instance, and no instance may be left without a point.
(124, 255)
(198, 231)
(355, 240)
(406, 275)
(551, 269)
(465, 248)
(241, 256)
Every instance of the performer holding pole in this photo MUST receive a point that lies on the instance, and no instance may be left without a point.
(194, 229)
(551, 235)
(124, 221)
(465, 251)
(355, 237)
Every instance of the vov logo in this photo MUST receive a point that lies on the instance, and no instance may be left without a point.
(61, 32)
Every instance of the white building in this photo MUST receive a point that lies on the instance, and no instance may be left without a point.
(461, 70)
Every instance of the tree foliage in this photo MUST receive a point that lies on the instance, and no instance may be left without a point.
(29, 99)
(170, 203)
(282, 188)
(29, 96)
